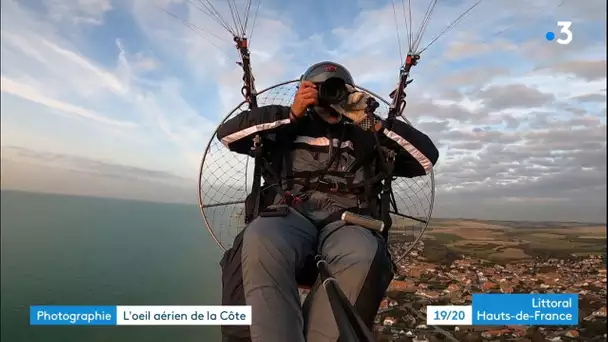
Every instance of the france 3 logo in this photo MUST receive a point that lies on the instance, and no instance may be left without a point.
(565, 33)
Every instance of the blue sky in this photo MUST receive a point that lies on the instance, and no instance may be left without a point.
(117, 98)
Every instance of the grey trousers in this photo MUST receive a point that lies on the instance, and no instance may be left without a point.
(275, 248)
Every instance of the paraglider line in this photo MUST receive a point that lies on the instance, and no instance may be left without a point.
(210, 10)
(411, 25)
(424, 25)
(454, 23)
(236, 19)
(192, 25)
(398, 35)
(255, 18)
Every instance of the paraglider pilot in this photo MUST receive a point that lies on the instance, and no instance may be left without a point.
(320, 159)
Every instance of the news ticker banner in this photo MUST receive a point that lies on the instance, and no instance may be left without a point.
(486, 309)
(508, 309)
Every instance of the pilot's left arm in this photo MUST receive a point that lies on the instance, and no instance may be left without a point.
(416, 153)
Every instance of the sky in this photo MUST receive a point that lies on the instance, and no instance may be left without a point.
(120, 99)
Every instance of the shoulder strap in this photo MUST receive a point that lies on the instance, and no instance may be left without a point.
(283, 161)
(387, 157)
(257, 178)
(286, 141)
(287, 161)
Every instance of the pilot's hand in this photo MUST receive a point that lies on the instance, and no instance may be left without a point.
(306, 96)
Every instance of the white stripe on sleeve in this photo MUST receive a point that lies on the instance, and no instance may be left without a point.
(229, 139)
(419, 156)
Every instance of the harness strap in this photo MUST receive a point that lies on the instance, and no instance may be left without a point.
(366, 191)
(325, 185)
(318, 173)
(385, 195)
(329, 187)
(369, 194)
(257, 178)
(287, 164)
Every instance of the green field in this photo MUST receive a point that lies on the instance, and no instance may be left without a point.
(503, 241)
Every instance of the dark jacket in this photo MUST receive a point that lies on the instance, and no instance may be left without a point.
(306, 142)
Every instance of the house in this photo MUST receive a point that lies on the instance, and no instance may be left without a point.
(389, 321)
(420, 339)
(428, 294)
(572, 333)
(518, 331)
(601, 312)
(495, 333)
(453, 288)
(401, 285)
(488, 285)
(506, 287)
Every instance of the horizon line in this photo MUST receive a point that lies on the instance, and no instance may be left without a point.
(197, 205)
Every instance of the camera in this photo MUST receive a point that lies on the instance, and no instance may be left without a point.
(332, 92)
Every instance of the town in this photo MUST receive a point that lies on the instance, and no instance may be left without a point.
(421, 282)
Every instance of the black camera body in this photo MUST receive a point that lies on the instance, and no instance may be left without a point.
(333, 91)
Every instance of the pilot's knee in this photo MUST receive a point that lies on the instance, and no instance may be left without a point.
(267, 244)
(353, 247)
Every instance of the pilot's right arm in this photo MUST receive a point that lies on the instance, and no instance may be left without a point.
(237, 133)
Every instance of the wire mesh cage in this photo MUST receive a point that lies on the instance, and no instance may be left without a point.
(225, 180)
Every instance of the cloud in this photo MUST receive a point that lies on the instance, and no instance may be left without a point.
(589, 70)
(42, 178)
(592, 97)
(28, 92)
(80, 11)
(34, 170)
(107, 89)
(513, 96)
(45, 65)
(88, 165)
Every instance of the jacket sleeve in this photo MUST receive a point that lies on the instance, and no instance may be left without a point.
(416, 154)
(237, 133)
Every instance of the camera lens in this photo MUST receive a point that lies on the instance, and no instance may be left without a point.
(333, 91)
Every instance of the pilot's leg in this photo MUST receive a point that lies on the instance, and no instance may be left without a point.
(359, 261)
(273, 248)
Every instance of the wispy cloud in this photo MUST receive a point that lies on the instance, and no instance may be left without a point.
(28, 92)
(78, 12)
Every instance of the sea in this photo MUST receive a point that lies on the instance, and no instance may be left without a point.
(71, 250)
